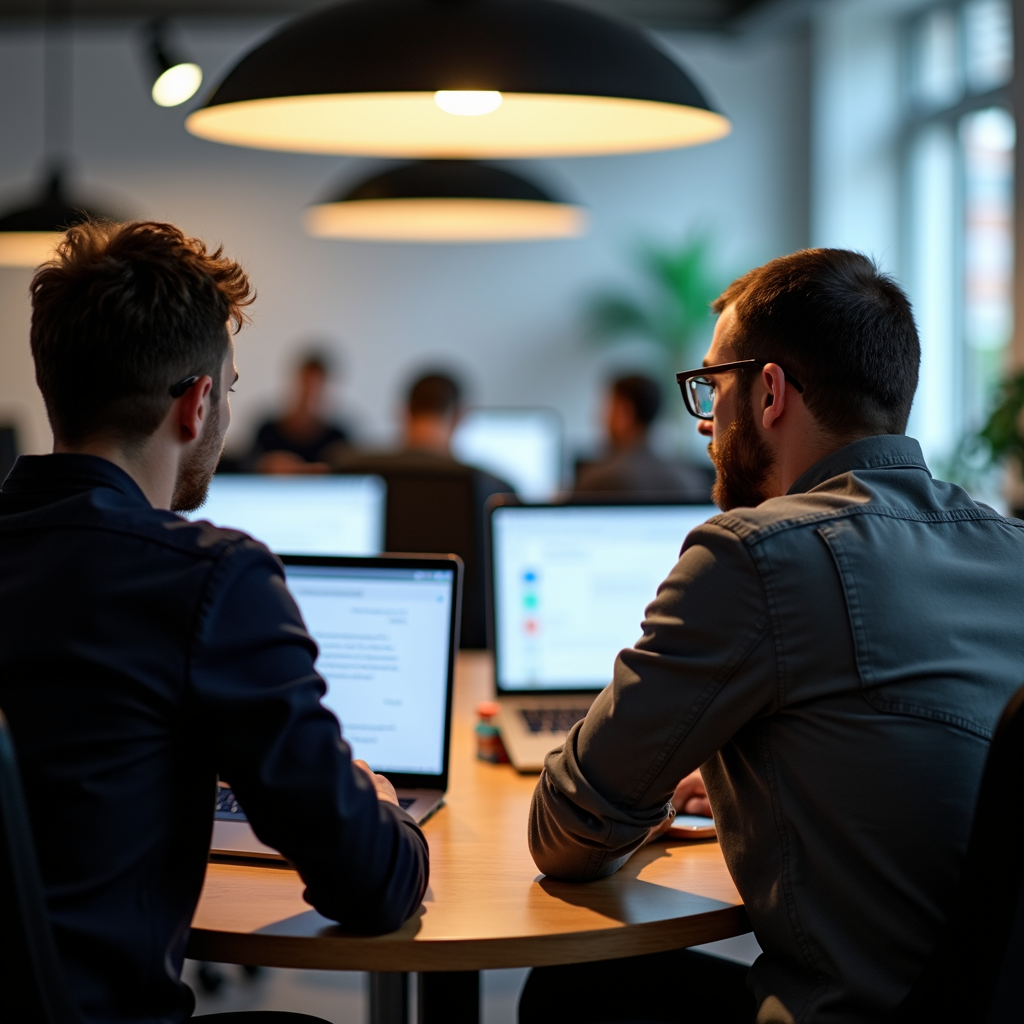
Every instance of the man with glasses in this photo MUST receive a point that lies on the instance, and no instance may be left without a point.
(833, 652)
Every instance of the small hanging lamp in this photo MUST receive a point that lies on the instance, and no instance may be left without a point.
(458, 78)
(445, 201)
(29, 233)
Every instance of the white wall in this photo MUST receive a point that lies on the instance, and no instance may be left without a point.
(509, 315)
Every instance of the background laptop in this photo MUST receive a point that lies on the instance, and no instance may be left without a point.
(305, 515)
(394, 698)
(568, 588)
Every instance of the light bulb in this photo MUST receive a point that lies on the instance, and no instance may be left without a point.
(467, 102)
(177, 84)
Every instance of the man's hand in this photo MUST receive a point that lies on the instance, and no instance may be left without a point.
(385, 791)
(691, 797)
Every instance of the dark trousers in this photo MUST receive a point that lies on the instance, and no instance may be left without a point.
(681, 985)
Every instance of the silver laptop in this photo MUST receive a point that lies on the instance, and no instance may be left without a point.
(396, 710)
(568, 587)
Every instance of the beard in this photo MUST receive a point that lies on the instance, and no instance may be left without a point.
(742, 462)
(197, 467)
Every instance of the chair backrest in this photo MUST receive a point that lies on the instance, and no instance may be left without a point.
(437, 510)
(976, 971)
(32, 985)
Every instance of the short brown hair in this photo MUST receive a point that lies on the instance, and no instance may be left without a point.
(122, 313)
(434, 394)
(841, 327)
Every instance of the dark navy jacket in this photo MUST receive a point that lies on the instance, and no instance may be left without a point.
(141, 656)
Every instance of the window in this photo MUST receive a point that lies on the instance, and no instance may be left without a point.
(958, 180)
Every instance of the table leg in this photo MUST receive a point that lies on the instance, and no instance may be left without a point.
(448, 997)
(389, 998)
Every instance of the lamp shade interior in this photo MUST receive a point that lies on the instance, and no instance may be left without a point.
(28, 235)
(445, 201)
(458, 78)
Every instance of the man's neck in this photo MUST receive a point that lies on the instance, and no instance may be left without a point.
(151, 467)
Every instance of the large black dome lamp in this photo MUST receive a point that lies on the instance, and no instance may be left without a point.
(444, 201)
(458, 78)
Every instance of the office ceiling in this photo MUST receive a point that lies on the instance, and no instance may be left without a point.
(679, 14)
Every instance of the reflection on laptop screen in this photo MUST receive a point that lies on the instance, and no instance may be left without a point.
(571, 584)
(522, 446)
(301, 515)
(384, 636)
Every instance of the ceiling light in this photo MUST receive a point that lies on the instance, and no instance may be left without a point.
(467, 102)
(177, 80)
(29, 235)
(383, 77)
(445, 201)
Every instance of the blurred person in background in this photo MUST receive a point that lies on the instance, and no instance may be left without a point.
(631, 407)
(435, 502)
(296, 442)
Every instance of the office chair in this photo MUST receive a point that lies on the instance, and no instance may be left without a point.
(32, 986)
(437, 509)
(976, 971)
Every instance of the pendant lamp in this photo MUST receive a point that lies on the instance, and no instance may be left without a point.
(28, 234)
(445, 201)
(458, 78)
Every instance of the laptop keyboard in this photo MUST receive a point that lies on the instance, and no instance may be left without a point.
(228, 809)
(552, 719)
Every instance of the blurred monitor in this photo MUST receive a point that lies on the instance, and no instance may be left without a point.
(522, 446)
(570, 585)
(301, 515)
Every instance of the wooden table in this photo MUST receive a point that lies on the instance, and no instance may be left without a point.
(487, 905)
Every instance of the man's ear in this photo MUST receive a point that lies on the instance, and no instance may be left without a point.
(774, 380)
(192, 409)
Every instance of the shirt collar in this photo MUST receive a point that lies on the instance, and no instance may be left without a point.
(66, 473)
(882, 451)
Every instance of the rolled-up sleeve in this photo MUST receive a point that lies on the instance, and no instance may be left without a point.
(703, 668)
(364, 862)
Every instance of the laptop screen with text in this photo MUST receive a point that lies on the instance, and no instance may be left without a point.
(301, 515)
(385, 639)
(570, 585)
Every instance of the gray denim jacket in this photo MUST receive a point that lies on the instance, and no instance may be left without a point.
(836, 660)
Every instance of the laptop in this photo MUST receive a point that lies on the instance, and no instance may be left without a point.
(387, 629)
(304, 515)
(568, 587)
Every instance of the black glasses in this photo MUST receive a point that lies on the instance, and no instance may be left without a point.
(698, 386)
(177, 390)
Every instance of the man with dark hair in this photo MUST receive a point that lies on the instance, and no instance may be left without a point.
(832, 652)
(435, 503)
(144, 656)
(633, 467)
(297, 442)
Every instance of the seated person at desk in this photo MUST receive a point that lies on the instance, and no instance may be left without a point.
(834, 651)
(296, 442)
(143, 656)
(419, 519)
(631, 407)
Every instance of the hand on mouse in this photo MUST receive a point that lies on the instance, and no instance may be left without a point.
(385, 791)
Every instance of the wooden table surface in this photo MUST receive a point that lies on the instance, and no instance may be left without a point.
(487, 905)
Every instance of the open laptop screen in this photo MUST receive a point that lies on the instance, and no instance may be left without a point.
(302, 515)
(385, 636)
(521, 446)
(570, 584)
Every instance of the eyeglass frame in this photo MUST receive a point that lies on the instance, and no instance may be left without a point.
(742, 364)
(177, 390)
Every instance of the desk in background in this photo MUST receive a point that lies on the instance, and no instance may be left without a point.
(487, 905)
